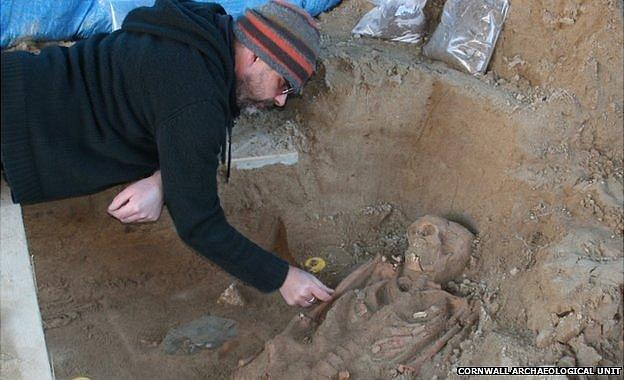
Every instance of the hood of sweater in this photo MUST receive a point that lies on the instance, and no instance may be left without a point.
(206, 27)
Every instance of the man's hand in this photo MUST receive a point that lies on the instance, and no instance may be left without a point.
(140, 202)
(303, 289)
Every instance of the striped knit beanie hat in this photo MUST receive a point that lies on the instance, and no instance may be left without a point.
(284, 36)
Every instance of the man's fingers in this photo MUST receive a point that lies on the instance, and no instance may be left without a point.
(126, 213)
(325, 288)
(321, 294)
(303, 289)
(121, 199)
(322, 286)
(317, 294)
(304, 302)
(134, 218)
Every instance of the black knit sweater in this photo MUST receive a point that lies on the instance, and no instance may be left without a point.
(115, 107)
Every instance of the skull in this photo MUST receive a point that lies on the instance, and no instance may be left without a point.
(438, 247)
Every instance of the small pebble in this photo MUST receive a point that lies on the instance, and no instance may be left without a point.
(420, 314)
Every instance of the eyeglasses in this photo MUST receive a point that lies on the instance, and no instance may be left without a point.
(288, 89)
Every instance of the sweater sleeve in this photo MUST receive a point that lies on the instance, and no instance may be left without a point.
(187, 149)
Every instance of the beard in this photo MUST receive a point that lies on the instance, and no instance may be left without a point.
(247, 97)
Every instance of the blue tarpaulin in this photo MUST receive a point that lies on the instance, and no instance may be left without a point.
(56, 20)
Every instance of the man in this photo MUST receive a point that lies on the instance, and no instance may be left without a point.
(161, 93)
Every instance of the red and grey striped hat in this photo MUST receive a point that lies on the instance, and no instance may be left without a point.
(283, 35)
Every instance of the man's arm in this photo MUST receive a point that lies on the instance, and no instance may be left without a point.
(188, 148)
(142, 202)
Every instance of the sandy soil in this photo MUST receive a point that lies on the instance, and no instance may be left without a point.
(528, 157)
(110, 293)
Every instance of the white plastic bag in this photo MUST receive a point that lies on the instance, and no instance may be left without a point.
(467, 33)
(396, 20)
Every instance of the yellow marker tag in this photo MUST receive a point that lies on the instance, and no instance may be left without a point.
(314, 264)
(81, 378)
